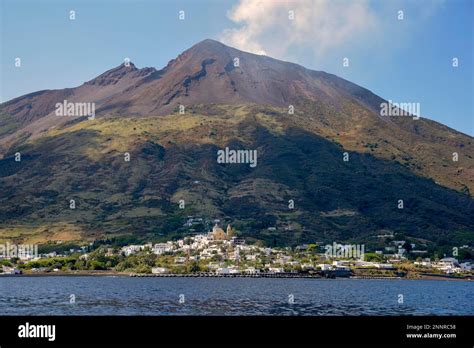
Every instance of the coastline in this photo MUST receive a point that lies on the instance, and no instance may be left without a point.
(69, 274)
(417, 276)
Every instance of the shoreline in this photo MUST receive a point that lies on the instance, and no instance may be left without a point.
(439, 277)
(68, 274)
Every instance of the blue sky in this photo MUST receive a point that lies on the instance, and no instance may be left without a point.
(407, 60)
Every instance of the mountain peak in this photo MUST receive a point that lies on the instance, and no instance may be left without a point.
(114, 75)
(209, 44)
(207, 48)
(212, 73)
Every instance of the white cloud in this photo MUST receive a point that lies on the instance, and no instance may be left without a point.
(264, 27)
(324, 27)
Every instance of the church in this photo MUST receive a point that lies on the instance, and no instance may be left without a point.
(219, 234)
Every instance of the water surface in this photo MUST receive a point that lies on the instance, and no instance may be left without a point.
(232, 296)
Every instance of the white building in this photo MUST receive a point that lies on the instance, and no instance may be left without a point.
(161, 248)
(227, 270)
(425, 263)
(325, 267)
(367, 264)
(180, 259)
(283, 259)
(132, 249)
(384, 265)
(159, 270)
(448, 265)
(342, 263)
(276, 270)
(307, 266)
(251, 270)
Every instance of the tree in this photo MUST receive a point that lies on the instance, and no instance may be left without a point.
(5, 263)
(407, 247)
(96, 265)
(194, 267)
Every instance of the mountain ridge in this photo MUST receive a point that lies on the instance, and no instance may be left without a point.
(205, 74)
(242, 106)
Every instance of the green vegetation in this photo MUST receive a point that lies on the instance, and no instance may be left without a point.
(172, 158)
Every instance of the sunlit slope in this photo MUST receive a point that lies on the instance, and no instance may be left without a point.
(173, 158)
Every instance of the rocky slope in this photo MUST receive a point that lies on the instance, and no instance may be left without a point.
(242, 106)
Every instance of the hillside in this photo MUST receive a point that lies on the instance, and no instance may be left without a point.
(173, 157)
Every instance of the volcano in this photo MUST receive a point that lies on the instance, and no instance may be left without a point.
(321, 142)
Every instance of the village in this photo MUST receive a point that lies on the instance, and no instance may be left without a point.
(220, 252)
(227, 254)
